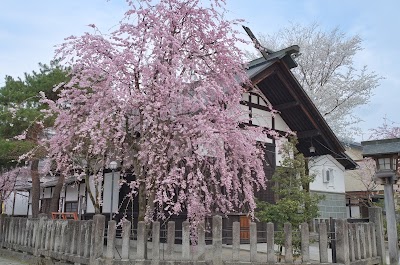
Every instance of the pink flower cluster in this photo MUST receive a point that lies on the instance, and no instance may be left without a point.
(162, 92)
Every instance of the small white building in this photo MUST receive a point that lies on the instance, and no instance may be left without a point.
(330, 183)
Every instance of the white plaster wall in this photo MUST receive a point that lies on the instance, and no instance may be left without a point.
(245, 96)
(30, 201)
(245, 116)
(82, 189)
(71, 193)
(280, 124)
(46, 193)
(261, 118)
(107, 192)
(318, 165)
(278, 156)
(90, 207)
(21, 203)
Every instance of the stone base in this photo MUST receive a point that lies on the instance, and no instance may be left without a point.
(28, 258)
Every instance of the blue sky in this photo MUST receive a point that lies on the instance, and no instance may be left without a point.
(29, 30)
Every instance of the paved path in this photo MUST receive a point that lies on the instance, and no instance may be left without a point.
(4, 261)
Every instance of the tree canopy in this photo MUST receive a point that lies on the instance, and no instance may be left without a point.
(327, 72)
(161, 95)
(23, 124)
(21, 109)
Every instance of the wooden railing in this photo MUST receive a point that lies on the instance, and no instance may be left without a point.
(64, 216)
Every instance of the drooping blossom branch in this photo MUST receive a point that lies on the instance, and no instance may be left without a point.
(161, 95)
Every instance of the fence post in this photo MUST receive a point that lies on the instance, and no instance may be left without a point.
(4, 229)
(323, 242)
(373, 239)
(271, 258)
(305, 243)
(253, 242)
(368, 240)
(126, 232)
(2, 226)
(351, 242)
(357, 243)
(63, 236)
(375, 216)
(10, 231)
(44, 217)
(27, 232)
(201, 244)
(99, 221)
(47, 236)
(111, 239)
(287, 228)
(185, 240)
(332, 231)
(81, 238)
(217, 239)
(88, 236)
(39, 233)
(363, 242)
(51, 235)
(170, 240)
(141, 241)
(57, 236)
(23, 237)
(235, 241)
(20, 231)
(342, 242)
(156, 241)
(16, 231)
(75, 236)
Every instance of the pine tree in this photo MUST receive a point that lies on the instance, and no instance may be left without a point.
(23, 124)
(295, 204)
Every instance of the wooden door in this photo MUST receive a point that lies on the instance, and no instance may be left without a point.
(244, 227)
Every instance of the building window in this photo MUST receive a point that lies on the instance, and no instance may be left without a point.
(328, 176)
(71, 207)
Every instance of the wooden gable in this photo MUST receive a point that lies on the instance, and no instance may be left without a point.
(277, 84)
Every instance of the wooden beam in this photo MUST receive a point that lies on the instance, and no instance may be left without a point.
(286, 105)
(263, 75)
(255, 106)
(308, 134)
(289, 85)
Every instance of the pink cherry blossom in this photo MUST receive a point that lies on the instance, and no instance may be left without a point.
(161, 95)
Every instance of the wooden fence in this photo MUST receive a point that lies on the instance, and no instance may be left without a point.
(83, 242)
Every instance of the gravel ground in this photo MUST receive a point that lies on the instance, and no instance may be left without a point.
(4, 261)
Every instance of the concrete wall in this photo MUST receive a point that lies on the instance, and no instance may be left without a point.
(333, 205)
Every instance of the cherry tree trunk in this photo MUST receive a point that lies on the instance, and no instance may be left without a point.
(54, 204)
(35, 187)
(92, 197)
(142, 201)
